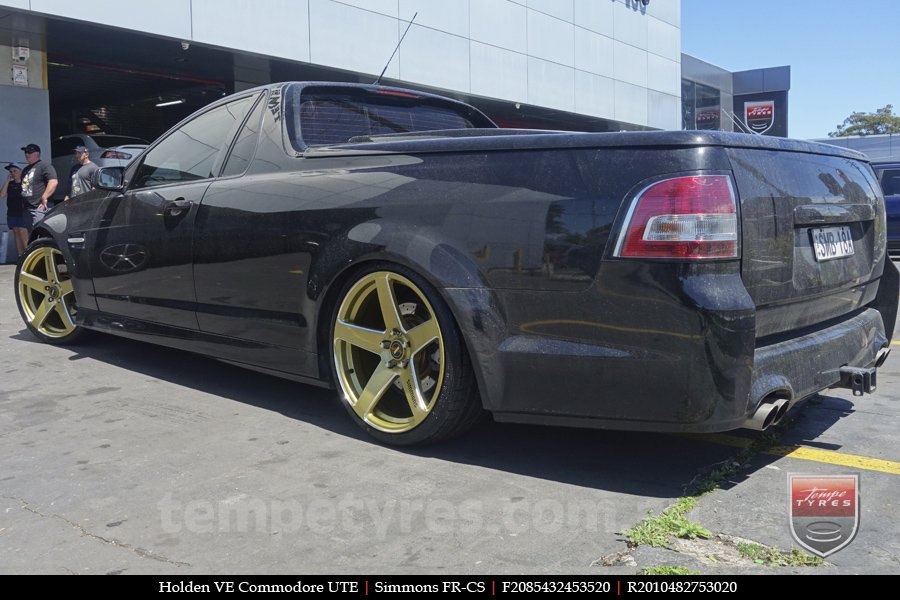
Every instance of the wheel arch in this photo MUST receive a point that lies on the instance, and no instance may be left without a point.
(474, 307)
(41, 232)
(55, 227)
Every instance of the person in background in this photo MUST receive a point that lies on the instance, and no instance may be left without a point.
(15, 207)
(38, 183)
(81, 174)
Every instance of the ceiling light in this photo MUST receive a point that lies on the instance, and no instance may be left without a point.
(170, 102)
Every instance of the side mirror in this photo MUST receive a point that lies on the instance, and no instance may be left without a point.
(110, 178)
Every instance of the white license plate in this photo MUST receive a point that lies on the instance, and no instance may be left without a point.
(832, 242)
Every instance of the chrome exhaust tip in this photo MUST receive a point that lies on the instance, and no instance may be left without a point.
(763, 418)
(881, 356)
(781, 408)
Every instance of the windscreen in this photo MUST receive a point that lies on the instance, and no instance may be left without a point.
(333, 116)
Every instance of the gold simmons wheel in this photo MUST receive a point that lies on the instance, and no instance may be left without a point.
(45, 294)
(389, 352)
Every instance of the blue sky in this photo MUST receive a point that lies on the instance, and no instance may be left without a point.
(843, 55)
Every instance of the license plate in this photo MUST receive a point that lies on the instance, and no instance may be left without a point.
(832, 242)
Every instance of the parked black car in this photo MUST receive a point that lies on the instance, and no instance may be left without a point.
(397, 246)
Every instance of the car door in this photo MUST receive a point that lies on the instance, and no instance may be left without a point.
(141, 259)
(252, 253)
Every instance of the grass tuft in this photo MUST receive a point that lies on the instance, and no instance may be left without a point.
(667, 571)
(772, 557)
(657, 530)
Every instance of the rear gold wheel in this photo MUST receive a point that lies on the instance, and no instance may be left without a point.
(398, 359)
(45, 294)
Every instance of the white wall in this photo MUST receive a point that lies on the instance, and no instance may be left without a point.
(25, 109)
(30, 107)
(606, 58)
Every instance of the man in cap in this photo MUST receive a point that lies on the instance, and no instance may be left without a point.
(15, 217)
(80, 176)
(38, 183)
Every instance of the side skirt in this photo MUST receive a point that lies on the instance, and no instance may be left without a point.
(272, 360)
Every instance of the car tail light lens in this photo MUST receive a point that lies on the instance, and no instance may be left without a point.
(115, 154)
(683, 218)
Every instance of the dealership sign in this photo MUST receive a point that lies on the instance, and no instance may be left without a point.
(708, 118)
(824, 511)
(759, 116)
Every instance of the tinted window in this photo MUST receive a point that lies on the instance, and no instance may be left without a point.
(333, 116)
(700, 106)
(189, 153)
(245, 145)
(890, 182)
(64, 146)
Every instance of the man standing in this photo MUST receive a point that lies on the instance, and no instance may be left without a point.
(81, 174)
(38, 183)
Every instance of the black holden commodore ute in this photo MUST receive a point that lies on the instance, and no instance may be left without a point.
(399, 247)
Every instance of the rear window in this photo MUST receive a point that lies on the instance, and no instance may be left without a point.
(109, 141)
(333, 116)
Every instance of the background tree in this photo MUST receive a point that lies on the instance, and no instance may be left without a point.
(882, 120)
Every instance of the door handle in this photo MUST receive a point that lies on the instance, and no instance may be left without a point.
(176, 206)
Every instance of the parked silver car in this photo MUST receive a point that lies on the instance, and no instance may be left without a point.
(104, 150)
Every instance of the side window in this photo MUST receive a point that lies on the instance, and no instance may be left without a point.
(244, 147)
(890, 182)
(189, 153)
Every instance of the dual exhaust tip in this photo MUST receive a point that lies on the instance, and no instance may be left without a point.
(862, 380)
(770, 412)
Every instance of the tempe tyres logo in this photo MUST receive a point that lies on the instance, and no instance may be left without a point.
(824, 511)
(759, 116)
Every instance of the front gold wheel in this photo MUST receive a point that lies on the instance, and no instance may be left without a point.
(389, 352)
(45, 294)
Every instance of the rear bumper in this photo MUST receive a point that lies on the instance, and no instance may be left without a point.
(682, 355)
(721, 397)
(801, 366)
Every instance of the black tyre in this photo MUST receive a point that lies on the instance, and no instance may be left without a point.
(45, 295)
(399, 363)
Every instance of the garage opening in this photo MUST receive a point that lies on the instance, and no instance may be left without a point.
(123, 83)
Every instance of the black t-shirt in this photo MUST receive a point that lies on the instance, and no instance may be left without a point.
(34, 181)
(14, 202)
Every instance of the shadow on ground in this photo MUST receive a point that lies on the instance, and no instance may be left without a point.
(643, 464)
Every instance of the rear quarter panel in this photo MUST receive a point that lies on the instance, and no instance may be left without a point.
(515, 241)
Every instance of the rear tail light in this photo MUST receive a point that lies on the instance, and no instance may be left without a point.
(682, 218)
(115, 154)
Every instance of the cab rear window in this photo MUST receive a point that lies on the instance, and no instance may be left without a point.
(333, 116)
